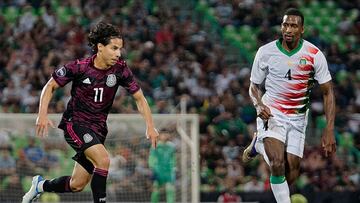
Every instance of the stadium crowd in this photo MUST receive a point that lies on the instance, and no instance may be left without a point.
(173, 57)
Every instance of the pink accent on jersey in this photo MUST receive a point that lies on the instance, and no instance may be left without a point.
(298, 86)
(309, 58)
(312, 50)
(292, 95)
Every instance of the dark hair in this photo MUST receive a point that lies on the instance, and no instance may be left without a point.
(295, 12)
(102, 33)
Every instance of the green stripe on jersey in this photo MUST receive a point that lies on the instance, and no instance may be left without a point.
(286, 52)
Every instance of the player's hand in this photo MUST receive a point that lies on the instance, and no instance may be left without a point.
(152, 134)
(328, 142)
(263, 112)
(42, 123)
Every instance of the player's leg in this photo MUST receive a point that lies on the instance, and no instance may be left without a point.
(98, 155)
(295, 149)
(292, 169)
(170, 192)
(275, 151)
(155, 192)
(61, 184)
(74, 183)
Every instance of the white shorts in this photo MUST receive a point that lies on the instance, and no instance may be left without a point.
(290, 131)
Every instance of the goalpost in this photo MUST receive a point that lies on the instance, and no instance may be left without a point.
(130, 178)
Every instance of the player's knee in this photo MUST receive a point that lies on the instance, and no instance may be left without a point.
(102, 162)
(277, 166)
(77, 185)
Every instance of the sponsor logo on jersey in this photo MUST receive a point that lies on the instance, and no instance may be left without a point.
(302, 61)
(86, 81)
(102, 199)
(87, 138)
(111, 80)
(61, 72)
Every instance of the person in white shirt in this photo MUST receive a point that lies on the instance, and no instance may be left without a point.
(289, 66)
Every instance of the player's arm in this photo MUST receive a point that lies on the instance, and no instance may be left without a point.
(42, 120)
(328, 139)
(258, 75)
(144, 109)
(152, 159)
(256, 93)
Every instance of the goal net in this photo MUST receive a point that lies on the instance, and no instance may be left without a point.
(130, 178)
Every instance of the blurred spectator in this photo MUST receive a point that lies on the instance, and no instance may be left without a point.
(254, 185)
(7, 162)
(11, 186)
(229, 195)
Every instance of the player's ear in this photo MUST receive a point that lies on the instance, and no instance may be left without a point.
(100, 47)
(303, 30)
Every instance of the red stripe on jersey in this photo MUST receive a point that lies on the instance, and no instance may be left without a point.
(308, 58)
(305, 67)
(300, 77)
(289, 102)
(84, 61)
(293, 95)
(313, 50)
(298, 86)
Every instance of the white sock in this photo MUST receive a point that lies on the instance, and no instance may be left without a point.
(281, 192)
(40, 186)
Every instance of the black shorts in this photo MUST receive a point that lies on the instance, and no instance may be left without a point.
(80, 138)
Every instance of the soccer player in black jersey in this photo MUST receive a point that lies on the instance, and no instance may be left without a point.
(95, 81)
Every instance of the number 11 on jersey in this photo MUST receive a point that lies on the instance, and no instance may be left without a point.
(98, 94)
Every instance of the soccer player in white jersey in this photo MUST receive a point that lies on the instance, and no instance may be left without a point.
(289, 66)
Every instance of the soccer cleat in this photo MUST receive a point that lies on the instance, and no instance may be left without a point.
(250, 151)
(33, 193)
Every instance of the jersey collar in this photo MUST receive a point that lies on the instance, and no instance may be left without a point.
(286, 52)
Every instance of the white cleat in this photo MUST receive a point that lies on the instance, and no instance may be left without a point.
(33, 194)
(250, 151)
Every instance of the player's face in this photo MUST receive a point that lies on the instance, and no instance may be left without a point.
(163, 137)
(111, 53)
(292, 28)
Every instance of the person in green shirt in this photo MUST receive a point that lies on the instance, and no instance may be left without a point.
(162, 162)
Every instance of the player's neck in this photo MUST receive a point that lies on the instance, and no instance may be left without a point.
(99, 63)
(289, 46)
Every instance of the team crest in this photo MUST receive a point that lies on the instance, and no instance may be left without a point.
(87, 138)
(61, 72)
(302, 61)
(111, 80)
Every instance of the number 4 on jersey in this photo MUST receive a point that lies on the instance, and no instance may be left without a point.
(288, 75)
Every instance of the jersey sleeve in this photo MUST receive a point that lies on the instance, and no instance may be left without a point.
(258, 70)
(65, 74)
(322, 74)
(128, 80)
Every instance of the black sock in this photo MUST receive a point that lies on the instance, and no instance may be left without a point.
(98, 185)
(58, 185)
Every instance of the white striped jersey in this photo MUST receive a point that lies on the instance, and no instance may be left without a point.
(289, 76)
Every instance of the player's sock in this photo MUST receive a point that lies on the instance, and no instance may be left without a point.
(280, 189)
(58, 185)
(98, 185)
(170, 193)
(155, 193)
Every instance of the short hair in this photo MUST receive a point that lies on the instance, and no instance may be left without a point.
(295, 12)
(103, 33)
